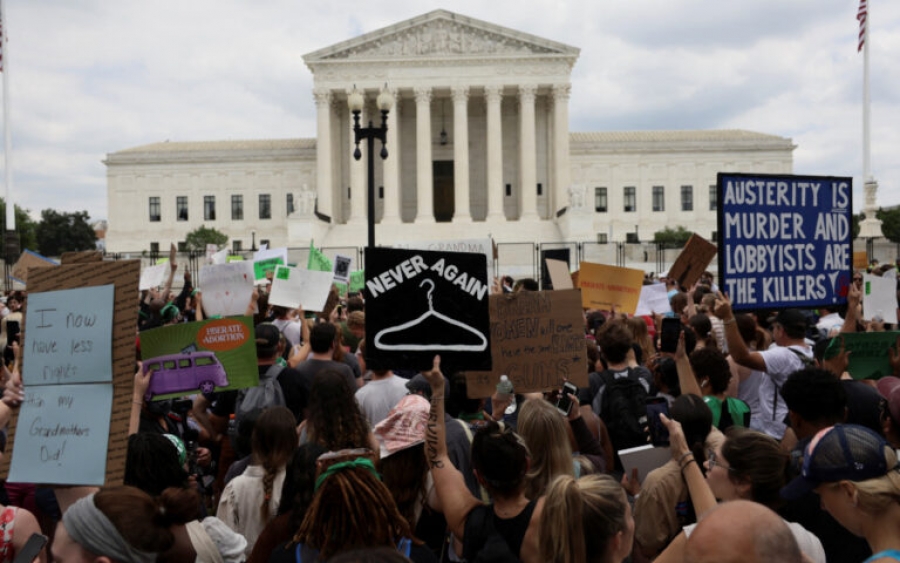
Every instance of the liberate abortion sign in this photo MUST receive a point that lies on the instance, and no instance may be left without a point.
(784, 241)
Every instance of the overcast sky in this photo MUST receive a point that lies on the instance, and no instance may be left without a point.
(92, 77)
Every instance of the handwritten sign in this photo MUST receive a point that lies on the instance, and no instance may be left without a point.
(692, 261)
(880, 297)
(604, 287)
(537, 339)
(153, 276)
(262, 267)
(69, 336)
(63, 432)
(654, 299)
(226, 288)
(477, 246)
(784, 241)
(29, 259)
(293, 286)
(421, 303)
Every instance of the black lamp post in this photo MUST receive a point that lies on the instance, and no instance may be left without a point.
(356, 101)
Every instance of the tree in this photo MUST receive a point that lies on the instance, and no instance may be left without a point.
(25, 226)
(60, 232)
(201, 236)
(672, 238)
(890, 223)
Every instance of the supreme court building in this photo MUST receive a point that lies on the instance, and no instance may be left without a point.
(479, 145)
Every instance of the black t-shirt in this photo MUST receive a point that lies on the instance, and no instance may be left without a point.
(295, 394)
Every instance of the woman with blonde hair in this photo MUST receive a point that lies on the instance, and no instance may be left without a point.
(586, 520)
(857, 477)
(637, 326)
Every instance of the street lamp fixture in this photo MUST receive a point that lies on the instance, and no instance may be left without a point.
(355, 102)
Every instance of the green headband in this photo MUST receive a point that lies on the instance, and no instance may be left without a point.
(363, 462)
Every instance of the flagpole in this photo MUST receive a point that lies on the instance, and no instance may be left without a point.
(11, 237)
(867, 159)
(870, 226)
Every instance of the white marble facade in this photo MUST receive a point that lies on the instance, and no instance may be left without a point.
(509, 168)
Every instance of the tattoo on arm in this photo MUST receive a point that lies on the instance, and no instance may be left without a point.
(431, 436)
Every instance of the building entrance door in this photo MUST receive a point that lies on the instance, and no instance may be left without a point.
(442, 171)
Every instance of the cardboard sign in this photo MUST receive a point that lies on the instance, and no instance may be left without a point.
(227, 288)
(693, 261)
(654, 299)
(293, 286)
(868, 352)
(537, 339)
(784, 241)
(153, 276)
(342, 268)
(604, 287)
(29, 259)
(81, 257)
(77, 434)
(860, 260)
(421, 303)
(205, 356)
(477, 245)
(879, 297)
(559, 274)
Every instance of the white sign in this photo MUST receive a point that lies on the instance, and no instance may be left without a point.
(654, 299)
(153, 276)
(227, 288)
(475, 245)
(880, 298)
(293, 286)
(342, 268)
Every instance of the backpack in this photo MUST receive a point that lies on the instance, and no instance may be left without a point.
(623, 405)
(267, 394)
(494, 548)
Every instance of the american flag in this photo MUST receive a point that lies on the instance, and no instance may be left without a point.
(861, 16)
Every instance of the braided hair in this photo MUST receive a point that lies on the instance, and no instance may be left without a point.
(273, 443)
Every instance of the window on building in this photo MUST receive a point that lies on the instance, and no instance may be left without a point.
(265, 206)
(508, 190)
(290, 203)
(540, 189)
(155, 214)
(687, 198)
(181, 208)
(659, 198)
(632, 238)
(237, 208)
(602, 238)
(630, 199)
(265, 242)
(182, 246)
(209, 208)
(154, 248)
(600, 200)
(713, 197)
(380, 192)
(236, 245)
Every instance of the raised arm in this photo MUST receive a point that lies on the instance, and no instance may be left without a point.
(851, 318)
(173, 266)
(452, 492)
(737, 348)
(141, 384)
(686, 378)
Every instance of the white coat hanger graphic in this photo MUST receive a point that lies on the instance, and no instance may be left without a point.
(412, 347)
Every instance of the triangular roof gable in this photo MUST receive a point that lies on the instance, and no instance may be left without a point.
(441, 34)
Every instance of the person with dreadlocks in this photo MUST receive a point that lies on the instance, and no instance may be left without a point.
(351, 509)
(273, 443)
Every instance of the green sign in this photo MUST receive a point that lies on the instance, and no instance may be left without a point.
(262, 267)
(318, 262)
(869, 352)
(357, 280)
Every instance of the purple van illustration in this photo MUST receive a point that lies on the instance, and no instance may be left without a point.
(175, 373)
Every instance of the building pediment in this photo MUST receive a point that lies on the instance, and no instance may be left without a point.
(441, 34)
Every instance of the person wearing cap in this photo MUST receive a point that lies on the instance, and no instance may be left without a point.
(889, 389)
(857, 477)
(789, 354)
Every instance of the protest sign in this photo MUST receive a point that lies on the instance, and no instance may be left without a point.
(537, 339)
(559, 274)
(153, 276)
(205, 356)
(293, 286)
(264, 261)
(81, 257)
(317, 260)
(226, 288)
(342, 268)
(357, 280)
(860, 260)
(604, 287)
(73, 427)
(880, 298)
(29, 259)
(235, 258)
(478, 246)
(784, 241)
(220, 257)
(654, 299)
(693, 261)
(869, 358)
(421, 303)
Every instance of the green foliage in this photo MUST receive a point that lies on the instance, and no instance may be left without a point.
(25, 226)
(201, 236)
(890, 223)
(60, 232)
(673, 238)
(855, 219)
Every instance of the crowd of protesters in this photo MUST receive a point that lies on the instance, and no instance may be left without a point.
(777, 452)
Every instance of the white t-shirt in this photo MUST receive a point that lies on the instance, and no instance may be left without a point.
(808, 542)
(290, 329)
(780, 363)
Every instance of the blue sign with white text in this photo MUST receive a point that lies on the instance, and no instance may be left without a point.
(784, 240)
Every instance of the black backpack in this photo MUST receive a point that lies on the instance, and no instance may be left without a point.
(623, 408)
(494, 548)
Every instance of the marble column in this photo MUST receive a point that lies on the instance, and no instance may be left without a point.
(562, 169)
(324, 183)
(391, 168)
(527, 153)
(358, 170)
(493, 95)
(424, 172)
(461, 154)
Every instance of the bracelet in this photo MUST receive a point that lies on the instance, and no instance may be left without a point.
(730, 321)
(138, 403)
(684, 455)
(688, 462)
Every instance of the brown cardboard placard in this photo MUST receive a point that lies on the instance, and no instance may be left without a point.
(85, 257)
(124, 275)
(537, 339)
(27, 260)
(559, 274)
(860, 260)
(693, 261)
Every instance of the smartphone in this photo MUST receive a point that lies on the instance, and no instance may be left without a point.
(659, 434)
(31, 549)
(671, 330)
(564, 404)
